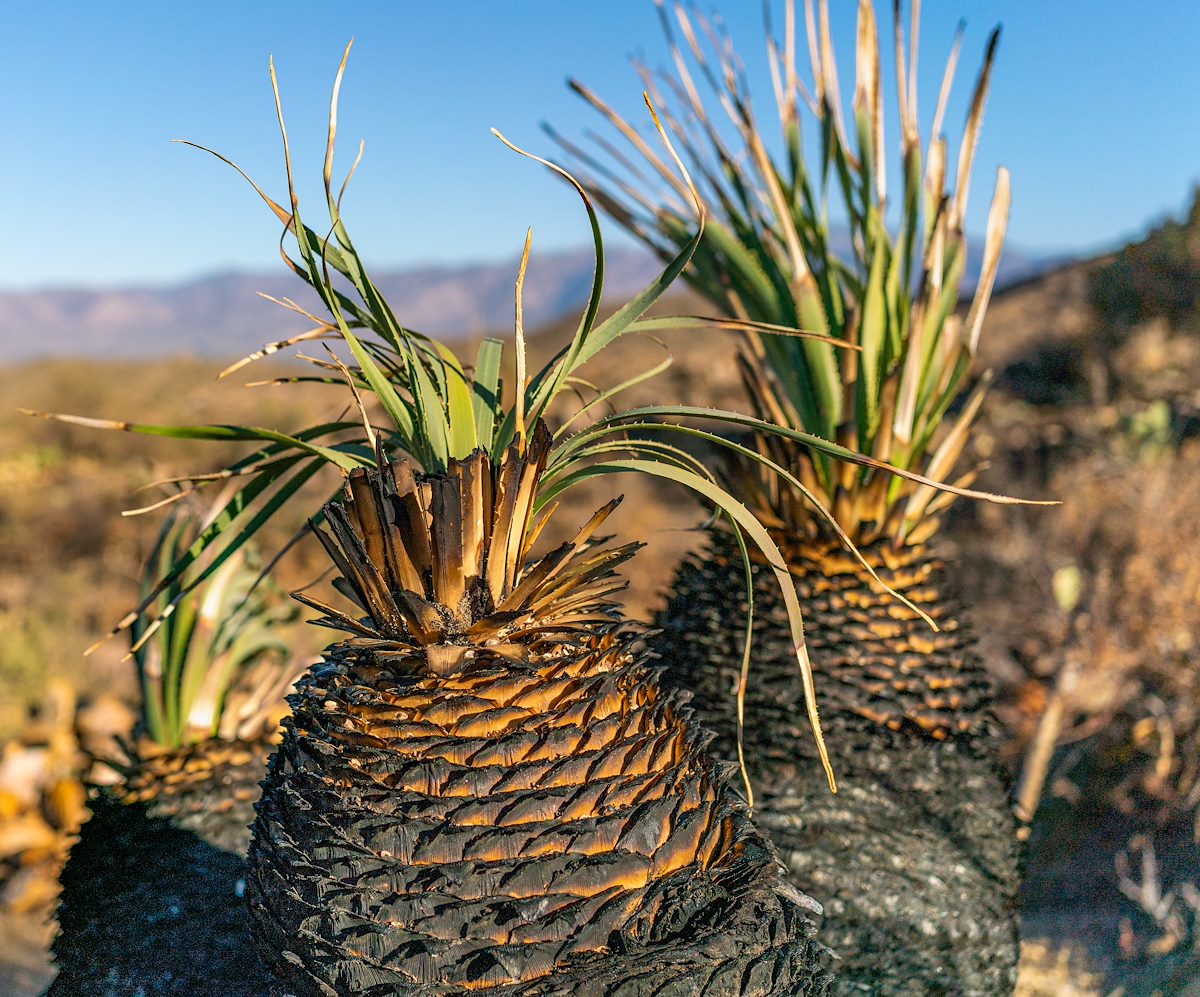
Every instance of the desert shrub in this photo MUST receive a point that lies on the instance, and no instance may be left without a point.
(1102, 607)
(1158, 277)
(1110, 592)
(1137, 526)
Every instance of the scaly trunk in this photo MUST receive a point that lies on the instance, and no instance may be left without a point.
(915, 858)
(152, 893)
(487, 791)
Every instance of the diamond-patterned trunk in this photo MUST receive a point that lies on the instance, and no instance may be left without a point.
(915, 858)
(152, 893)
(487, 791)
(550, 828)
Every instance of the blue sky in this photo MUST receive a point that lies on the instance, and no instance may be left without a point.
(1094, 109)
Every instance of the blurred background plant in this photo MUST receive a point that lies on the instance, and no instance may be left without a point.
(770, 253)
(199, 673)
(1091, 623)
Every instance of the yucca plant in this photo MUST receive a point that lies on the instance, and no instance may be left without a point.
(916, 859)
(152, 897)
(213, 671)
(484, 786)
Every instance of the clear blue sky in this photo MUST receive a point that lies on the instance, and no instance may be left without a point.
(1095, 109)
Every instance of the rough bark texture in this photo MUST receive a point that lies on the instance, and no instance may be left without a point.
(541, 827)
(152, 898)
(914, 860)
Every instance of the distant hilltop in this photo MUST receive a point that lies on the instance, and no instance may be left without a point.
(222, 316)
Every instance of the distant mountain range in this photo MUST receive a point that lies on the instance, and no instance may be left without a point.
(222, 316)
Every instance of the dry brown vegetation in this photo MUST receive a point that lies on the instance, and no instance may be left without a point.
(70, 560)
(1090, 616)
(1091, 626)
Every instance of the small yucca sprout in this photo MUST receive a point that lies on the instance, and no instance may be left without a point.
(769, 253)
(218, 665)
(152, 892)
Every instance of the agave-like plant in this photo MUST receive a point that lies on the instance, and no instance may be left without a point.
(440, 409)
(918, 860)
(484, 785)
(151, 901)
(770, 254)
(214, 669)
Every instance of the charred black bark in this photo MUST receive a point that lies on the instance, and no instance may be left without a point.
(153, 892)
(548, 828)
(915, 858)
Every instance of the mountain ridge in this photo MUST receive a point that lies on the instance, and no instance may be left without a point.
(224, 315)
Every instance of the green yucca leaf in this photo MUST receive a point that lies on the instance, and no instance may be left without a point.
(744, 670)
(460, 406)
(213, 432)
(396, 408)
(768, 254)
(691, 463)
(216, 632)
(604, 396)
(485, 391)
(562, 454)
(431, 431)
(745, 523)
(872, 338)
(215, 534)
(677, 323)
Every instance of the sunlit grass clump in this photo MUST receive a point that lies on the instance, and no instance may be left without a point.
(216, 668)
